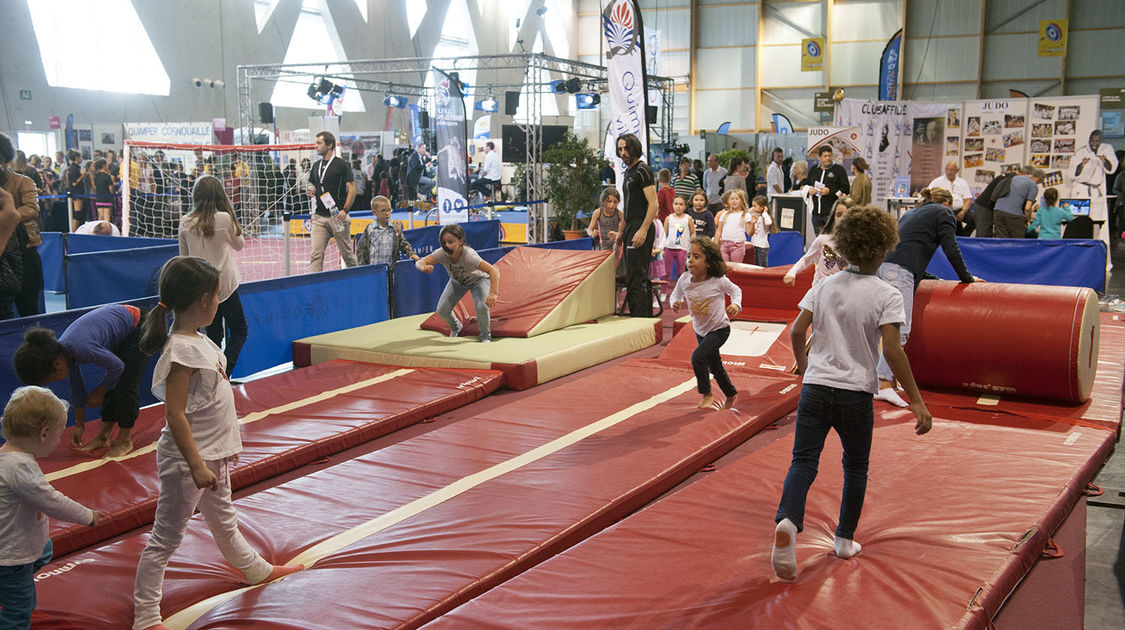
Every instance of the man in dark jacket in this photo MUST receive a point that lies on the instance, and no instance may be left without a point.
(829, 182)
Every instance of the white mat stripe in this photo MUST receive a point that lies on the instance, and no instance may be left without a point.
(253, 417)
(329, 546)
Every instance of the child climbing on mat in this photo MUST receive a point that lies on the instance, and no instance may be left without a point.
(107, 337)
(32, 423)
(468, 272)
(703, 287)
(605, 224)
(200, 441)
(822, 253)
(851, 312)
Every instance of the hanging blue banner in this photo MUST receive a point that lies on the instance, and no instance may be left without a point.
(450, 133)
(888, 68)
(415, 125)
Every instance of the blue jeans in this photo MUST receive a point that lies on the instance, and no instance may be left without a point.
(453, 293)
(900, 278)
(706, 357)
(17, 591)
(848, 412)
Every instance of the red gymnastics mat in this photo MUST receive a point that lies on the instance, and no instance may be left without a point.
(756, 345)
(541, 290)
(952, 521)
(1102, 410)
(397, 537)
(287, 421)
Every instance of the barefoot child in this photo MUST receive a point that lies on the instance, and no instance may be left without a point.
(467, 272)
(679, 229)
(703, 287)
(200, 441)
(108, 338)
(759, 230)
(851, 312)
(732, 225)
(605, 224)
(32, 423)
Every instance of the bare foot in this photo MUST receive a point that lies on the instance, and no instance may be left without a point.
(77, 436)
(95, 444)
(729, 402)
(706, 401)
(120, 448)
(281, 570)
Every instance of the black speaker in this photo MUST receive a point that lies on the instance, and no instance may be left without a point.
(265, 112)
(650, 114)
(511, 103)
(424, 119)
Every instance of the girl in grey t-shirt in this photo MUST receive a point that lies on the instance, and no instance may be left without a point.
(467, 273)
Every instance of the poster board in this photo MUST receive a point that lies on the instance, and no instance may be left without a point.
(886, 136)
(1058, 127)
(994, 139)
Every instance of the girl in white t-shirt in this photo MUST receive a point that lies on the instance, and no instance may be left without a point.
(704, 288)
(732, 225)
(212, 232)
(679, 229)
(823, 253)
(759, 230)
(200, 441)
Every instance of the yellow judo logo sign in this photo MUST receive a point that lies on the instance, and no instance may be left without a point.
(812, 54)
(1052, 38)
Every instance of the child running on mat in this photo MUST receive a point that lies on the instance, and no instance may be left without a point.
(468, 272)
(200, 441)
(32, 423)
(703, 287)
(822, 253)
(851, 312)
(107, 337)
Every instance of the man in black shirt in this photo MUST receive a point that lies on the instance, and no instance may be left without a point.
(415, 168)
(828, 181)
(639, 190)
(333, 189)
(71, 176)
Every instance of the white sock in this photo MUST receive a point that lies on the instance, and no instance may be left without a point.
(846, 547)
(890, 395)
(784, 556)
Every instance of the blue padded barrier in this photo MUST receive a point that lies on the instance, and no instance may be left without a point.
(585, 243)
(479, 235)
(11, 336)
(786, 248)
(281, 310)
(1068, 262)
(85, 243)
(52, 251)
(114, 276)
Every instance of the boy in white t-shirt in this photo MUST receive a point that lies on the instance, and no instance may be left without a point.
(851, 312)
(32, 423)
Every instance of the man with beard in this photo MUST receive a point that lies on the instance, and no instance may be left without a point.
(332, 188)
(641, 206)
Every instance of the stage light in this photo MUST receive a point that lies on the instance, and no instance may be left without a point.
(394, 100)
(558, 86)
(573, 86)
(587, 101)
(489, 104)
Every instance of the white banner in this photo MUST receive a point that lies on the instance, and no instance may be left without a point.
(1059, 128)
(886, 137)
(624, 45)
(173, 133)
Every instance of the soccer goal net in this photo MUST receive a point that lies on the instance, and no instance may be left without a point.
(263, 183)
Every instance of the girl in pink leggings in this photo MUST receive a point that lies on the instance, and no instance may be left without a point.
(732, 224)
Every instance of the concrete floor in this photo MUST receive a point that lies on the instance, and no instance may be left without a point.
(1105, 536)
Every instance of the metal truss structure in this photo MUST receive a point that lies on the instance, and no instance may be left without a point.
(408, 76)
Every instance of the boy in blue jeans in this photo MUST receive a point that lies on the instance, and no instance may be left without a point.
(851, 312)
(32, 423)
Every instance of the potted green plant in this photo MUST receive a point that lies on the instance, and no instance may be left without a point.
(572, 181)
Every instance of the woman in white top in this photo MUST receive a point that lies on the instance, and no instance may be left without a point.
(823, 253)
(732, 224)
(210, 231)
